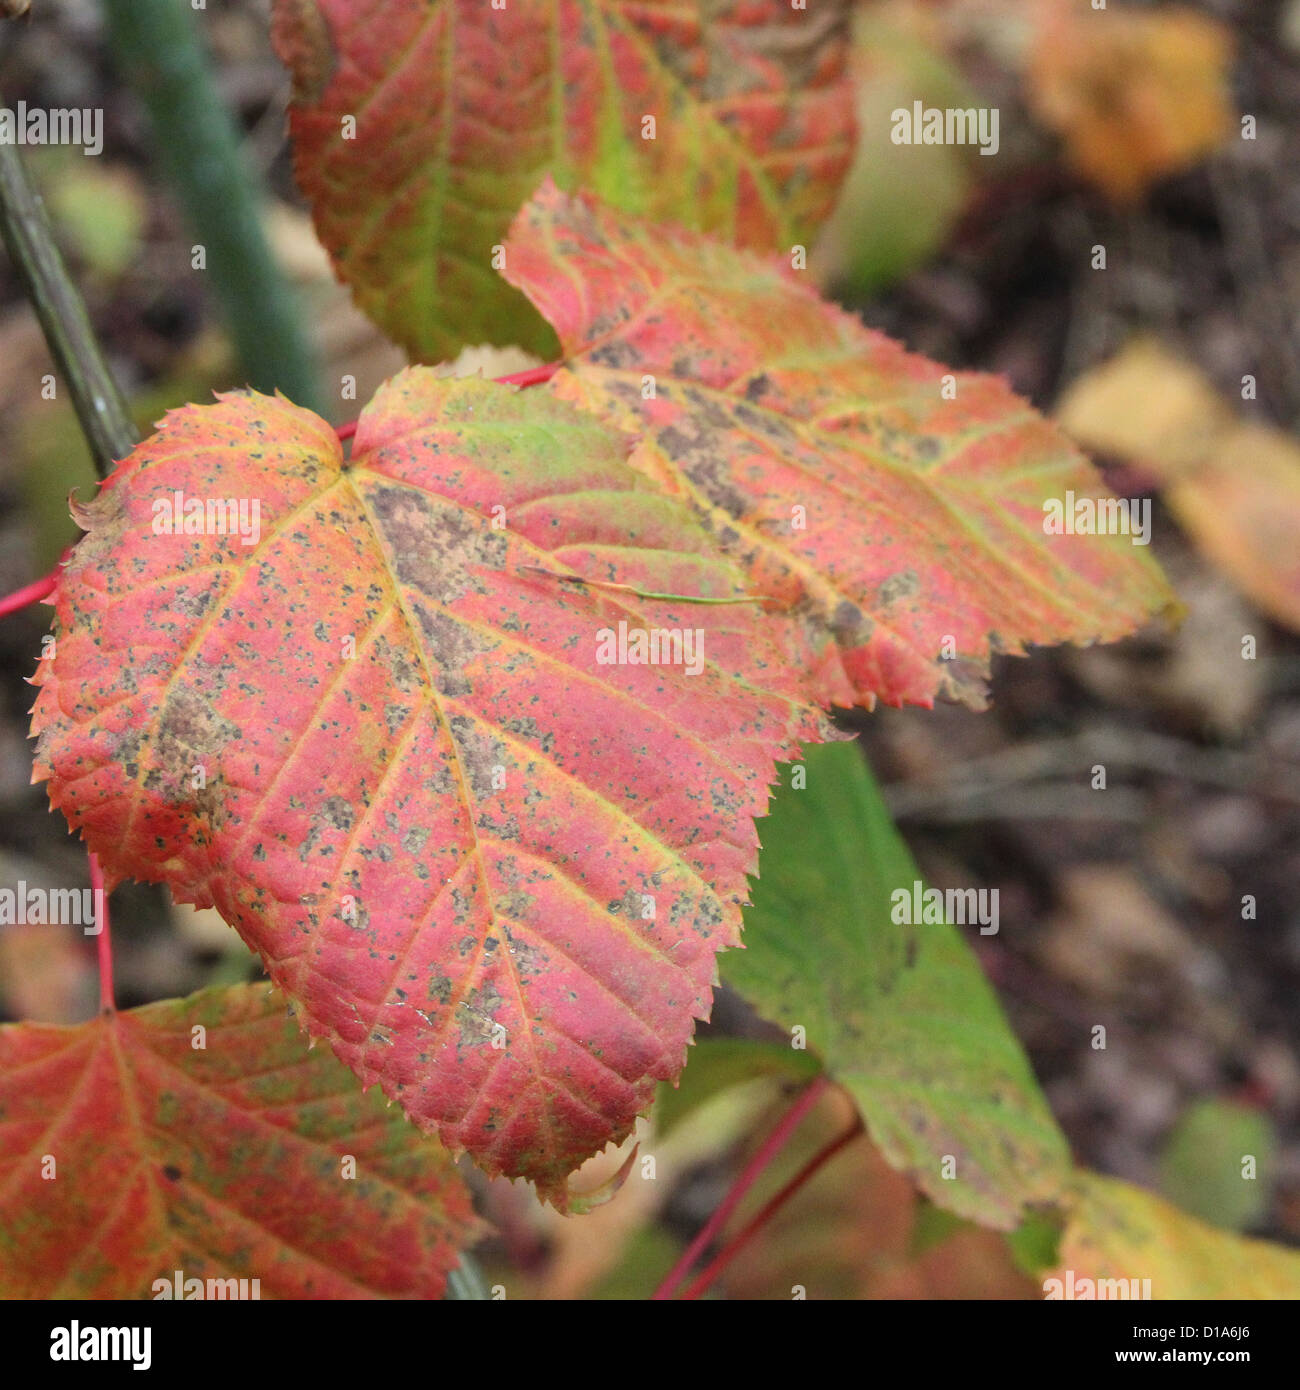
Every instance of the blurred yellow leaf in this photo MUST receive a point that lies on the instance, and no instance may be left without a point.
(1134, 95)
(1243, 508)
(1145, 403)
(1234, 487)
(1116, 1231)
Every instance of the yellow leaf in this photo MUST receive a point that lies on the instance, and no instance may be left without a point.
(1146, 404)
(1118, 1232)
(1234, 487)
(1243, 509)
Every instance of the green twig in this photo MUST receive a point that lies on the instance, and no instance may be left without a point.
(160, 52)
(104, 418)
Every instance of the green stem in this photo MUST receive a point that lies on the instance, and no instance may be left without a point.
(104, 418)
(161, 55)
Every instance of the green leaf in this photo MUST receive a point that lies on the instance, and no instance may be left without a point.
(1035, 1244)
(901, 1015)
(1201, 1169)
(899, 202)
(715, 1065)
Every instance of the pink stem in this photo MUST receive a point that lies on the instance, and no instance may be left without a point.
(733, 1247)
(771, 1146)
(32, 593)
(531, 376)
(105, 943)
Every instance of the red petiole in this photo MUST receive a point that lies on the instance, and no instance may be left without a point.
(530, 376)
(769, 1149)
(769, 1209)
